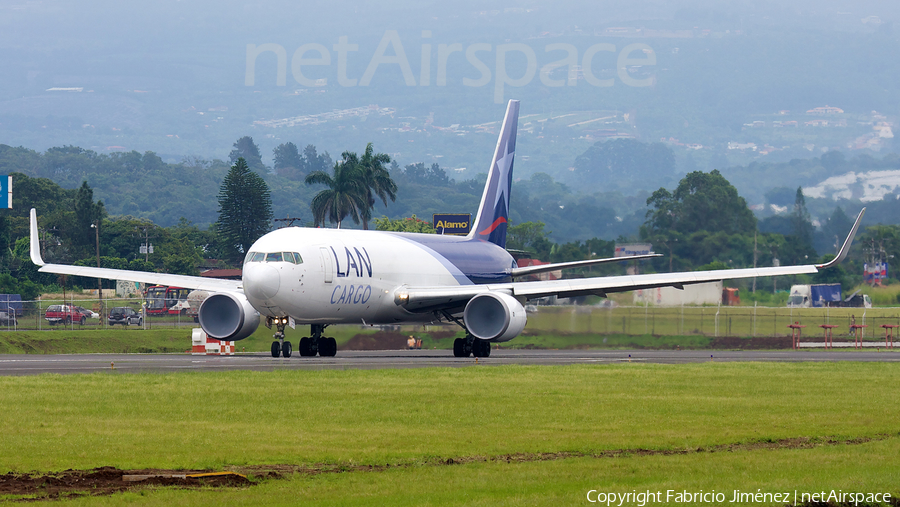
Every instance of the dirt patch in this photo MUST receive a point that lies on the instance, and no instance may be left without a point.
(106, 481)
(442, 335)
(757, 343)
(382, 340)
(109, 480)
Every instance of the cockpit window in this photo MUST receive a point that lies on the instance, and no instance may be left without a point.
(292, 257)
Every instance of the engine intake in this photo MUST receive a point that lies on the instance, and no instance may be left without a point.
(226, 316)
(494, 316)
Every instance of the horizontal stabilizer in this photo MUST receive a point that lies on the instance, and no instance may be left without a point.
(543, 268)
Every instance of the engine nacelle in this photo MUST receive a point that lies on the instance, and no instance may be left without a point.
(226, 316)
(494, 316)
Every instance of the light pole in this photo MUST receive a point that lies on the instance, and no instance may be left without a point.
(96, 228)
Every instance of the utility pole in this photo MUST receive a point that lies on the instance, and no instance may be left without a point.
(146, 247)
(96, 228)
(290, 221)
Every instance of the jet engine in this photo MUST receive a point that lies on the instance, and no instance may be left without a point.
(227, 316)
(494, 316)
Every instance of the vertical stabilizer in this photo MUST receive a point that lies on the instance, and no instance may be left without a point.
(493, 213)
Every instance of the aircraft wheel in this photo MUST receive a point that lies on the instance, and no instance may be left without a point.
(286, 349)
(459, 348)
(327, 347)
(481, 348)
(304, 347)
(276, 349)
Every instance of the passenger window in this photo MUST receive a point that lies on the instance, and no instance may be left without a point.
(273, 257)
(257, 257)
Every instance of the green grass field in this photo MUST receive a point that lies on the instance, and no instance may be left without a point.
(415, 420)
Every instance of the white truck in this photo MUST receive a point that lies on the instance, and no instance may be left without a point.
(694, 294)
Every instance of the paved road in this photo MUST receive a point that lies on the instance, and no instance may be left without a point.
(12, 364)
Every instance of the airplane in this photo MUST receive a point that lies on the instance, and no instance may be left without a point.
(322, 277)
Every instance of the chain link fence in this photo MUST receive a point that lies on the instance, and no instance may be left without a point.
(88, 314)
(736, 321)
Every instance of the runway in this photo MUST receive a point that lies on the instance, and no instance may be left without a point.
(15, 364)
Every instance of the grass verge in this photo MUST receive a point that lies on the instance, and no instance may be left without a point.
(414, 420)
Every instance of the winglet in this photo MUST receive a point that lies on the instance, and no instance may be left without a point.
(35, 241)
(846, 247)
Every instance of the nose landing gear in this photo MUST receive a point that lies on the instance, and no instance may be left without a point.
(279, 347)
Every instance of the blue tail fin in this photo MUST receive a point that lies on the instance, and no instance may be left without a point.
(493, 213)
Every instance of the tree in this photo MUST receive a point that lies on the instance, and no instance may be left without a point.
(248, 150)
(702, 201)
(419, 174)
(88, 215)
(525, 235)
(288, 160)
(245, 209)
(345, 195)
(377, 181)
(410, 224)
(624, 164)
(801, 224)
(314, 161)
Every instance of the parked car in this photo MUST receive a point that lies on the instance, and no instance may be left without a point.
(63, 314)
(124, 315)
(87, 313)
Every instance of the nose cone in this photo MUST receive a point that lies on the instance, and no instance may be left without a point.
(261, 281)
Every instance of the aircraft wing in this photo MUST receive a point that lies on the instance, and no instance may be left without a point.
(543, 268)
(424, 299)
(188, 282)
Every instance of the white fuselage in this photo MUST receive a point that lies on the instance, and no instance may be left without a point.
(349, 276)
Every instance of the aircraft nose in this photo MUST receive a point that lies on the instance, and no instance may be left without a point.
(261, 281)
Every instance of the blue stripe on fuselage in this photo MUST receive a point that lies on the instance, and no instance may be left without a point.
(472, 261)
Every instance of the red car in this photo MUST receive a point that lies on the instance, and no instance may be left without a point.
(63, 314)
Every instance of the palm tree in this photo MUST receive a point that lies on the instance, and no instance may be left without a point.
(345, 195)
(377, 181)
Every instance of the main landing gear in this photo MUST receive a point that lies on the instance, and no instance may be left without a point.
(463, 347)
(308, 346)
(325, 347)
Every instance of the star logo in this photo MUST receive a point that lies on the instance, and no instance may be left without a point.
(504, 164)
